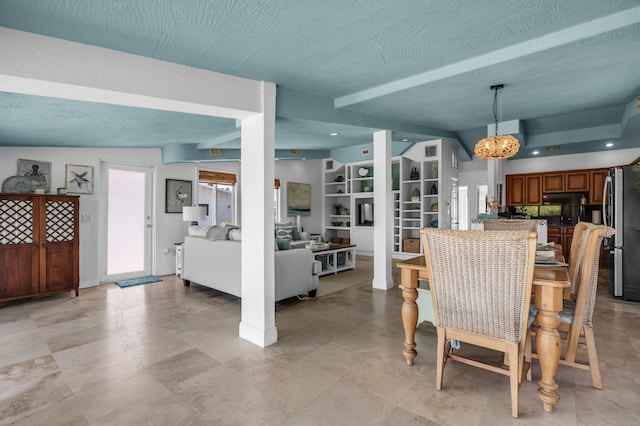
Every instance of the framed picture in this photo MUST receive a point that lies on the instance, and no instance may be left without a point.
(298, 199)
(38, 171)
(178, 193)
(79, 179)
(206, 208)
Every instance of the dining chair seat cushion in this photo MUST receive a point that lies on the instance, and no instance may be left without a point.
(566, 316)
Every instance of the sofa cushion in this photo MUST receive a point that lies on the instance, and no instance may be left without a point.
(217, 232)
(295, 235)
(283, 243)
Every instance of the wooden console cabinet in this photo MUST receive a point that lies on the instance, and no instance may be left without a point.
(39, 245)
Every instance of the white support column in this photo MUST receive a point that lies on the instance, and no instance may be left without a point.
(383, 211)
(256, 177)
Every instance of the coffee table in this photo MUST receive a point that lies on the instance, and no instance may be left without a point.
(335, 257)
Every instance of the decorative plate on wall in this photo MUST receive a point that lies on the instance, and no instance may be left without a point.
(17, 185)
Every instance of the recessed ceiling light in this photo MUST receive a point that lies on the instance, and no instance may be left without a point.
(405, 140)
(609, 144)
(536, 152)
(334, 134)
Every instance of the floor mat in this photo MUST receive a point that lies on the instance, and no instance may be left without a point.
(138, 281)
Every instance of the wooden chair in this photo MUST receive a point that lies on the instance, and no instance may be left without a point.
(481, 283)
(510, 225)
(576, 316)
(580, 236)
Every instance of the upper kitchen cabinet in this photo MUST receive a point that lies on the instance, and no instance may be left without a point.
(515, 190)
(596, 185)
(553, 182)
(569, 181)
(524, 190)
(576, 181)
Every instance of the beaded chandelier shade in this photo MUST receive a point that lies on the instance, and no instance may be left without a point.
(499, 146)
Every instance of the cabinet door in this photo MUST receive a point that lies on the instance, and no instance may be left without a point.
(577, 181)
(60, 269)
(596, 185)
(515, 190)
(554, 234)
(19, 248)
(362, 237)
(553, 182)
(567, 241)
(533, 190)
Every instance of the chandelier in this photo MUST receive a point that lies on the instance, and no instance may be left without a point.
(499, 146)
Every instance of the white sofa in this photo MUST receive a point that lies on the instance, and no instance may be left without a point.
(216, 264)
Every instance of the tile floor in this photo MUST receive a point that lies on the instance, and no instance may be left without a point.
(163, 354)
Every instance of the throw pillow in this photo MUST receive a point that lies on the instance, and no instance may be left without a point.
(198, 231)
(283, 244)
(235, 234)
(284, 232)
(294, 233)
(216, 233)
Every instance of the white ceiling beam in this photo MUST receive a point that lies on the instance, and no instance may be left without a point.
(37, 65)
(615, 21)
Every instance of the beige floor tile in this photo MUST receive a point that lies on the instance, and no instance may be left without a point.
(167, 354)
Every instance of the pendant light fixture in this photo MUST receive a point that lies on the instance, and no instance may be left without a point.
(499, 146)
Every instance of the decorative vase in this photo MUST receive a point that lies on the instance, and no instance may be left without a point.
(414, 174)
(434, 172)
(434, 189)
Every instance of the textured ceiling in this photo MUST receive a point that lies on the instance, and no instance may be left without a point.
(419, 68)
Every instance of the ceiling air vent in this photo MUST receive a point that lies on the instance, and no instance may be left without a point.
(552, 148)
(365, 151)
(293, 151)
(215, 152)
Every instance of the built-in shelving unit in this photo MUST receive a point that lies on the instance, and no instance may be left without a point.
(421, 192)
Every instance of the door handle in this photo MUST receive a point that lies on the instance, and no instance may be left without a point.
(148, 225)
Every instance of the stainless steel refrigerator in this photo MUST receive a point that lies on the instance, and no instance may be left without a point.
(621, 210)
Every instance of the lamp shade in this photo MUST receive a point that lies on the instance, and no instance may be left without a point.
(193, 214)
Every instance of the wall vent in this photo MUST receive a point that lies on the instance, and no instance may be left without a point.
(215, 152)
(365, 151)
(638, 103)
(293, 151)
(552, 148)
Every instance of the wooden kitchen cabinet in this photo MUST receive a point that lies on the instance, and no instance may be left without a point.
(533, 190)
(596, 185)
(576, 181)
(524, 190)
(562, 235)
(39, 245)
(515, 190)
(553, 182)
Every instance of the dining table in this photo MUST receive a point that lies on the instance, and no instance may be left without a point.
(549, 282)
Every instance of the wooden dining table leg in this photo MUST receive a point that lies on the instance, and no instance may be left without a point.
(409, 280)
(548, 300)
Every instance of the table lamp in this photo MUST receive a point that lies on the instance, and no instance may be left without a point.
(193, 214)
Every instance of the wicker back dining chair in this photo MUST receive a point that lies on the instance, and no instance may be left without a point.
(510, 225)
(576, 318)
(481, 285)
(578, 244)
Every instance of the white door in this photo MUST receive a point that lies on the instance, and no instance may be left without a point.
(127, 221)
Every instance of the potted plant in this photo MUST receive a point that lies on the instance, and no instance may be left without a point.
(338, 207)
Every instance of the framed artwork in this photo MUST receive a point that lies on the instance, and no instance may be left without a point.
(38, 171)
(206, 208)
(298, 199)
(177, 194)
(79, 179)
